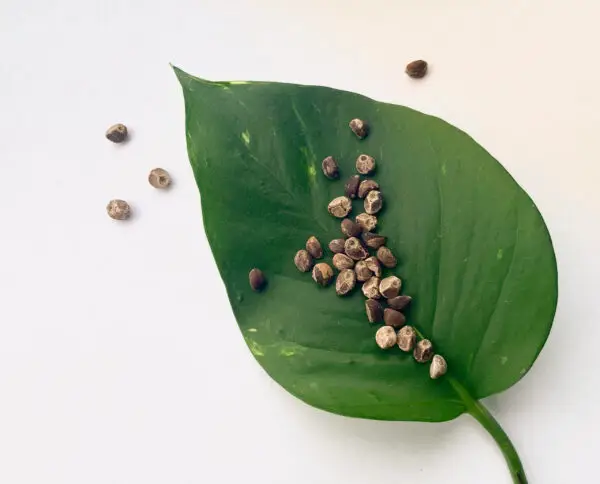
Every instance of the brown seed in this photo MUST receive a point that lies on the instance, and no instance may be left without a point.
(386, 257)
(423, 351)
(337, 246)
(303, 261)
(118, 209)
(407, 338)
(390, 287)
(342, 261)
(117, 133)
(371, 288)
(159, 178)
(374, 265)
(350, 228)
(355, 249)
(365, 164)
(345, 282)
(340, 207)
(366, 221)
(359, 127)
(393, 318)
(374, 311)
(313, 246)
(366, 186)
(362, 271)
(374, 241)
(257, 279)
(386, 337)
(438, 367)
(322, 274)
(373, 202)
(351, 186)
(330, 168)
(399, 302)
(416, 69)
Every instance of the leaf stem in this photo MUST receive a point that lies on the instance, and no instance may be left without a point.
(485, 418)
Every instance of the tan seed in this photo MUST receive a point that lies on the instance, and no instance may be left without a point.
(362, 271)
(386, 337)
(373, 202)
(351, 186)
(374, 311)
(365, 164)
(337, 246)
(374, 241)
(118, 209)
(366, 221)
(393, 318)
(371, 288)
(117, 133)
(345, 282)
(340, 207)
(386, 257)
(159, 178)
(313, 246)
(359, 127)
(350, 228)
(257, 279)
(390, 287)
(374, 265)
(416, 69)
(330, 168)
(407, 338)
(423, 351)
(355, 249)
(322, 274)
(399, 302)
(366, 186)
(438, 367)
(303, 261)
(342, 261)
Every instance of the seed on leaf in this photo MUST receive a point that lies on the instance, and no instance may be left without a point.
(365, 164)
(342, 261)
(373, 202)
(407, 337)
(359, 128)
(366, 221)
(438, 367)
(355, 249)
(390, 287)
(340, 207)
(362, 271)
(386, 257)
(416, 69)
(118, 209)
(366, 186)
(371, 288)
(386, 337)
(257, 279)
(330, 168)
(350, 228)
(393, 318)
(337, 246)
(313, 246)
(374, 265)
(399, 302)
(374, 311)
(374, 241)
(351, 187)
(322, 274)
(423, 351)
(159, 178)
(345, 282)
(303, 261)
(117, 133)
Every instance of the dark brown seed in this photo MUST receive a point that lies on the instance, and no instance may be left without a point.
(438, 367)
(373, 202)
(257, 279)
(337, 246)
(303, 261)
(322, 274)
(351, 186)
(407, 338)
(117, 133)
(390, 287)
(416, 69)
(366, 186)
(386, 337)
(362, 271)
(386, 257)
(330, 168)
(374, 241)
(374, 265)
(371, 288)
(118, 209)
(393, 318)
(342, 261)
(159, 178)
(423, 351)
(399, 302)
(374, 311)
(365, 164)
(355, 250)
(366, 221)
(340, 207)
(345, 282)
(359, 127)
(313, 246)
(350, 228)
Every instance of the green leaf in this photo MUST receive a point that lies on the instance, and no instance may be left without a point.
(473, 250)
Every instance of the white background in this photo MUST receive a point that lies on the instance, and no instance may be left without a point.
(120, 361)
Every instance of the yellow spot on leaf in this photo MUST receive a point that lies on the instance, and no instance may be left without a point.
(499, 254)
(503, 360)
(312, 172)
(255, 348)
(246, 137)
(252, 330)
(238, 82)
(443, 168)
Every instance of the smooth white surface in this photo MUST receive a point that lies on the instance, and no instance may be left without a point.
(120, 361)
